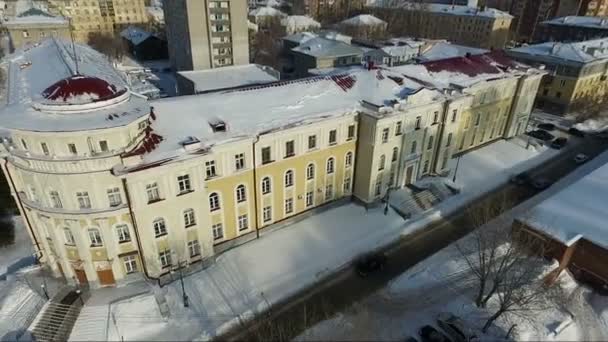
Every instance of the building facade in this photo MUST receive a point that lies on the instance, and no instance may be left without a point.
(207, 34)
(472, 26)
(179, 180)
(34, 25)
(576, 78)
(572, 29)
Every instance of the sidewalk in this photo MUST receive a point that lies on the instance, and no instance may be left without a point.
(246, 280)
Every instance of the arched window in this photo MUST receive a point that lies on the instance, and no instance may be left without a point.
(122, 230)
(69, 237)
(310, 171)
(214, 201)
(266, 187)
(189, 218)
(381, 163)
(330, 165)
(348, 160)
(289, 178)
(160, 228)
(95, 237)
(395, 154)
(241, 196)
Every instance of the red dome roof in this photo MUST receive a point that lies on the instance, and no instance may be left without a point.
(81, 89)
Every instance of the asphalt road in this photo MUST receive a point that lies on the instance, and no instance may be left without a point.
(293, 316)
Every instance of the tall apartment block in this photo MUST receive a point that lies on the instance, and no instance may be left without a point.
(207, 34)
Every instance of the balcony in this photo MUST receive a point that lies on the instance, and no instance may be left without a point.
(41, 207)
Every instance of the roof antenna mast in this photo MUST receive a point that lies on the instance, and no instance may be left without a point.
(73, 45)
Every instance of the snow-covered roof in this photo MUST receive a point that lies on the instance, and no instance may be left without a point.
(363, 20)
(266, 11)
(443, 50)
(230, 77)
(35, 16)
(135, 35)
(295, 23)
(578, 211)
(157, 13)
(579, 21)
(443, 9)
(322, 47)
(28, 103)
(579, 52)
(300, 37)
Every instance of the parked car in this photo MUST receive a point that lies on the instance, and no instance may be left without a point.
(370, 263)
(429, 334)
(521, 178)
(559, 143)
(581, 158)
(455, 328)
(540, 183)
(541, 135)
(576, 132)
(546, 126)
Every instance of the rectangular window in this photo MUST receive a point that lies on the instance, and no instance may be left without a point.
(45, 149)
(152, 191)
(266, 155)
(418, 122)
(290, 150)
(194, 248)
(69, 238)
(329, 192)
(84, 202)
(289, 206)
(312, 142)
(210, 170)
(385, 133)
(218, 231)
(444, 164)
(267, 214)
(55, 199)
(114, 197)
(425, 169)
(95, 238)
(351, 132)
(130, 263)
(448, 140)
(239, 161)
(454, 114)
(72, 149)
(183, 183)
(243, 222)
(123, 233)
(435, 117)
(467, 122)
(378, 190)
(477, 119)
(189, 218)
(103, 146)
(346, 188)
(398, 128)
(310, 199)
(333, 137)
(165, 258)
(431, 140)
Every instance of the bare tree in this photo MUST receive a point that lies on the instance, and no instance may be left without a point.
(266, 44)
(111, 46)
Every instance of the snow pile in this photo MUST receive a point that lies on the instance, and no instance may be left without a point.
(299, 23)
(19, 305)
(266, 11)
(364, 20)
(593, 125)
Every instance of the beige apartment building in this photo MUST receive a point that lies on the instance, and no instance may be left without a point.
(207, 34)
(99, 16)
(34, 25)
(486, 28)
(113, 187)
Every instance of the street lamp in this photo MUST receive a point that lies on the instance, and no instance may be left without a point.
(456, 169)
(181, 279)
(46, 294)
(78, 292)
(387, 199)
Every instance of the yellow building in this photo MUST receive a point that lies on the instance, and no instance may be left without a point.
(100, 16)
(577, 76)
(486, 28)
(113, 187)
(34, 25)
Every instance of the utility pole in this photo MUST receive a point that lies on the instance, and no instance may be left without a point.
(456, 169)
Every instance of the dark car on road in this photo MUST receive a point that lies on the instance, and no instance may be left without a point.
(576, 132)
(429, 334)
(455, 328)
(546, 126)
(559, 143)
(370, 263)
(520, 179)
(540, 183)
(541, 135)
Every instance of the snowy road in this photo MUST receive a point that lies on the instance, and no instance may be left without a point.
(295, 315)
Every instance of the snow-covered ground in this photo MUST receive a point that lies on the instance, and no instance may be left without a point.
(245, 280)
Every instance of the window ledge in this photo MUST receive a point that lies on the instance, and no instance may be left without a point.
(333, 144)
(96, 246)
(73, 245)
(160, 235)
(190, 225)
(350, 139)
(185, 192)
(212, 177)
(289, 155)
(267, 162)
(124, 241)
(156, 200)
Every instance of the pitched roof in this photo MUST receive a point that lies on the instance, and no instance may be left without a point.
(135, 35)
(322, 47)
(579, 52)
(579, 21)
(363, 20)
(442, 9)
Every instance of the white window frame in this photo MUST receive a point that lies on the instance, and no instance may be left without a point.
(130, 263)
(84, 201)
(243, 222)
(160, 227)
(289, 176)
(69, 237)
(122, 230)
(310, 199)
(330, 167)
(310, 171)
(153, 192)
(194, 248)
(95, 237)
(214, 202)
(114, 197)
(241, 193)
(288, 207)
(183, 184)
(348, 159)
(266, 185)
(210, 169)
(218, 231)
(165, 258)
(267, 214)
(189, 218)
(239, 161)
(55, 199)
